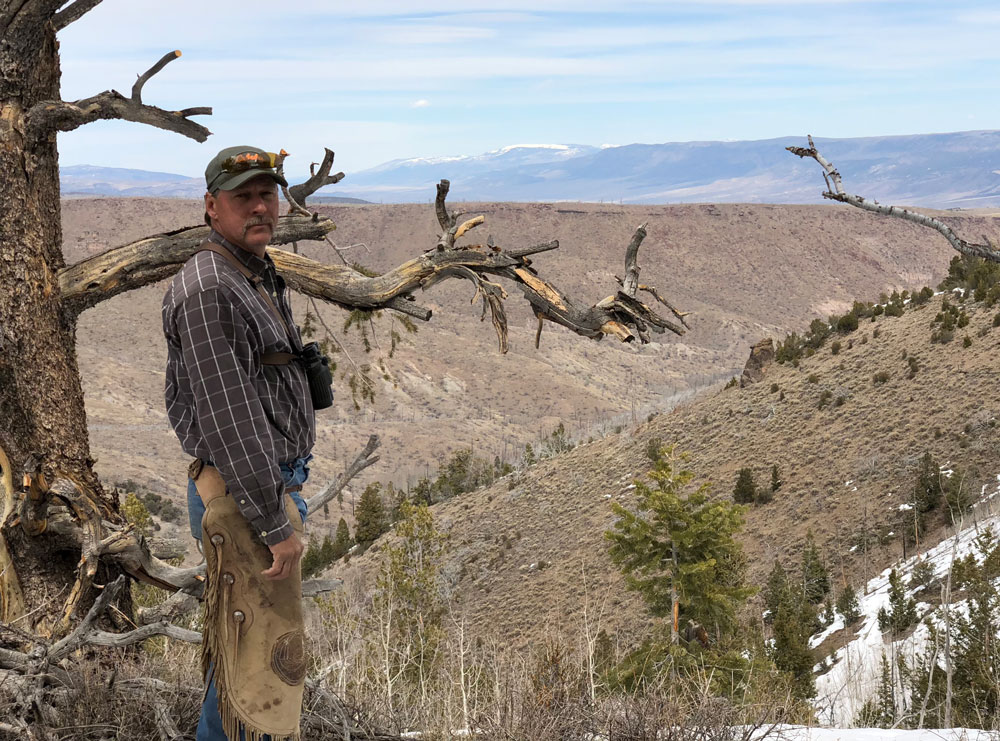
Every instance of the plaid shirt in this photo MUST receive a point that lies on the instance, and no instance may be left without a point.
(225, 406)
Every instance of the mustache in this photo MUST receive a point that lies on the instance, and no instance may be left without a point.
(257, 221)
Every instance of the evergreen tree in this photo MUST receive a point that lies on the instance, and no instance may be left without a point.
(975, 653)
(677, 548)
(774, 590)
(815, 578)
(902, 612)
(927, 488)
(408, 601)
(317, 556)
(422, 493)
(775, 479)
(310, 558)
(371, 518)
(745, 490)
(528, 459)
(462, 472)
(794, 622)
(879, 711)
(342, 541)
(847, 605)
(556, 442)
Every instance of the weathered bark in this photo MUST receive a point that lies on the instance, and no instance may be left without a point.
(44, 429)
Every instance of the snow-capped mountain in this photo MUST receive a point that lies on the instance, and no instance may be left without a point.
(937, 170)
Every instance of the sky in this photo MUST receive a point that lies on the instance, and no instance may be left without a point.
(389, 79)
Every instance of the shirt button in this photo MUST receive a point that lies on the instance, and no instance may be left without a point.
(263, 533)
(243, 501)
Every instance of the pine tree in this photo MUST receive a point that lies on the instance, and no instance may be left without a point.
(408, 601)
(342, 541)
(310, 559)
(902, 612)
(847, 605)
(879, 711)
(975, 649)
(774, 590)
(927, 488)
(678, 550)
(815, 578)
(775, 479)
(422, 493)
(529, 458)
(745, 490)
(794, 622)
(370, 515)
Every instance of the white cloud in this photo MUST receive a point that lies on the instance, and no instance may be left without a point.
(422, 103)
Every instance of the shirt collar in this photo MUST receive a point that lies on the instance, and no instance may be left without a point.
(256, 264)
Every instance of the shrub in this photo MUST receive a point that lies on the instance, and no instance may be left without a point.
(966, 341)
(824, 398)
(835, 346)
(922, 296)
(914, 366)
(813, 378)
(847, 323)
(732, 382)
(942, 336)
(654, 449)
(880, 378)
(774, 386)
(745, 490)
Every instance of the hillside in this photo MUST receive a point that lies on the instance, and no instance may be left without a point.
(528, 553)
(743, 272)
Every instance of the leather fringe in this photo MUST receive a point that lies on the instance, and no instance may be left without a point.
(212, 663)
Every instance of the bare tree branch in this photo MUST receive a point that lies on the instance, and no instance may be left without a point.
(59, 115)
(148, 260)
(91, 281)
(837, 193)
(334, 487)
(446, 220)
(73, 12)
(318, 178)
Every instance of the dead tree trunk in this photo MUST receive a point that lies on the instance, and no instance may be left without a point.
(44, 428)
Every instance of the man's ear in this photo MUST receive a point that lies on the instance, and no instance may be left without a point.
(209, 208)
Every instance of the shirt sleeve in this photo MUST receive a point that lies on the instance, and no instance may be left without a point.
(217, 349)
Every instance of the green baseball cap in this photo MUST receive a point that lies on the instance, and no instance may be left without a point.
(233, 166)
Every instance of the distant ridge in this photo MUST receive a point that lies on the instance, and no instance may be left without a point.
(951, 170)
(91, 180)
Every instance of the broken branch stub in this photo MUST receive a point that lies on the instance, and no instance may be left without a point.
(830, 174)
(49, 116)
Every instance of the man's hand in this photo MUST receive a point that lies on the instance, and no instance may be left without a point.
(286, 558)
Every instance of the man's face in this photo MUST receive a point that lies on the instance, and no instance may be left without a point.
(246, 216)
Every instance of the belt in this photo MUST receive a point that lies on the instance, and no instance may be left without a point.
(216, 486)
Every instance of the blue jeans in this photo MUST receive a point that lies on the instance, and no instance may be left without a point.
(294, 473)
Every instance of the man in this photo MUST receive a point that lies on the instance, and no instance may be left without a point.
(240, 405)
